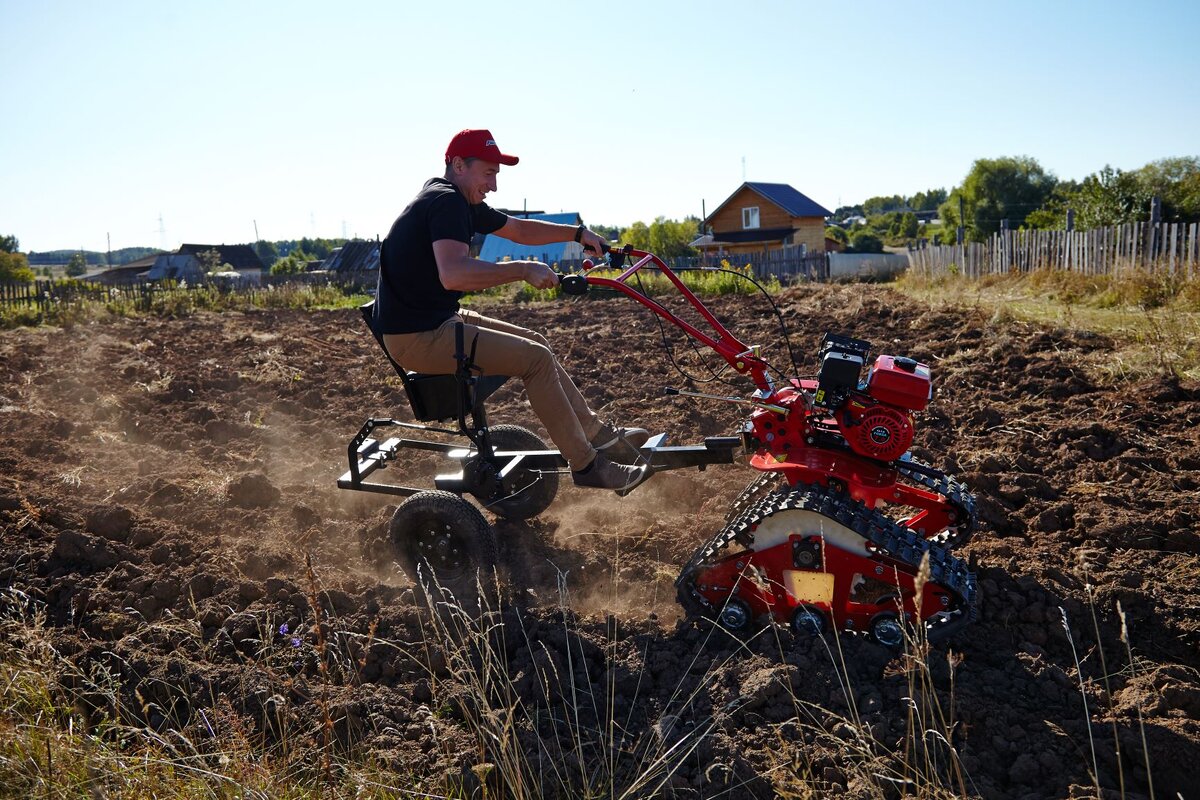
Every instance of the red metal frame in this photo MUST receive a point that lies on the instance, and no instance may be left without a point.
(735, 575)
(791, 454)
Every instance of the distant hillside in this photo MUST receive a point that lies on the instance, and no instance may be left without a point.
(119, 257)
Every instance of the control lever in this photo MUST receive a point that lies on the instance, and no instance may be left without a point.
(778, 409)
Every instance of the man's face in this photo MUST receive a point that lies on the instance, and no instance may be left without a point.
(477, 179)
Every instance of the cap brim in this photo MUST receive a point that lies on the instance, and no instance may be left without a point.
(508, 161)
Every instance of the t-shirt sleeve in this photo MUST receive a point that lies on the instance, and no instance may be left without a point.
(449, 218)
(488, 219)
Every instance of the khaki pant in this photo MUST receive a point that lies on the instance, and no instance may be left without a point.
(505, 349)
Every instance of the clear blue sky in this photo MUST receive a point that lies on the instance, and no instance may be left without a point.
(324, 118)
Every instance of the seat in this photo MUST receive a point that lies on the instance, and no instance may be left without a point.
(433, 395)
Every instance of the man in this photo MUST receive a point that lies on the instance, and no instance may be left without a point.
(425, 267)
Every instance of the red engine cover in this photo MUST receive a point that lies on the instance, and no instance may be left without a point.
(876, 431)
(900, 382)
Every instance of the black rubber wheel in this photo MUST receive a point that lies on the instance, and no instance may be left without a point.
(532, 491)
(809, 622)
(444, 545)
(887, 629)
(735, 616)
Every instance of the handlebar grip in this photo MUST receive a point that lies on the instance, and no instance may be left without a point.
(573, 284)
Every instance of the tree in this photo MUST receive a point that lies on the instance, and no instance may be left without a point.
(837, 234)
(638, 235)
(666, 238)
(866, 242)
(267, 252)
(881, 205)
(76, 266)
(1177, 182)
(927, 201)
(609, 233)
(294, 264)
(210, 260)
(9, 244)
(14, 268)
(845, 212)
(1008, 188)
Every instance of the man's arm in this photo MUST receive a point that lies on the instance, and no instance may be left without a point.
(537, 231)
(458, 272)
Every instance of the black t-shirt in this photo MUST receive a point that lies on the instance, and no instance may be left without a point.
(410, 297)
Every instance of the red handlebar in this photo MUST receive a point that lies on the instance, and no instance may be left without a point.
(726, 345)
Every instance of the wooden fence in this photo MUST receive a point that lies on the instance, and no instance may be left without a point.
(1171, 248)
(45, 294)
(788, 266)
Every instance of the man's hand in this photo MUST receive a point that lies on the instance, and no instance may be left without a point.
(538, 275)
(591, 241)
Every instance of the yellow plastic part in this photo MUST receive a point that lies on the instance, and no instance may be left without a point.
(809, 587)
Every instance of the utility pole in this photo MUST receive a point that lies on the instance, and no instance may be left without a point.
(257, 238)
(108, 256)
(961, 226)
(1070, 219)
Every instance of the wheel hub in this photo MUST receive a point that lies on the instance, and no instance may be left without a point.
(440, 548)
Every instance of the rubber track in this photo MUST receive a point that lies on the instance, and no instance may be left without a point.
(956, 495)
(891, 539)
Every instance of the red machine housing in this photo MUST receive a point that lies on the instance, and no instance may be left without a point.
(900, 382)
(847, 437)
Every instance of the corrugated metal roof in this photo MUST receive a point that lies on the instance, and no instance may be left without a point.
(753, 235)
(238, 256)
(356, 255)
(790, 200)
(497, 249)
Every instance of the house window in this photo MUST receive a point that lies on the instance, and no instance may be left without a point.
(750, 217)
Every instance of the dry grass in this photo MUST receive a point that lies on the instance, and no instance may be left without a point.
(564, 739)
(1153, 319)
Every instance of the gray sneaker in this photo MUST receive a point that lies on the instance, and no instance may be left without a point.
(610, 436)
(604, 474)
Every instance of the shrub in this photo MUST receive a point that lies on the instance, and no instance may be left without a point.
(866, 242)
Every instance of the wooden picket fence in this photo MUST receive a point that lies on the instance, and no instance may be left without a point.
(45, 294)
(788, 266)
(1168, 248)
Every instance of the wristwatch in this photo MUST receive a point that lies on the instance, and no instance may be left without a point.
(579, 233)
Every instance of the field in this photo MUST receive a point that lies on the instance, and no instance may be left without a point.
(186, 603)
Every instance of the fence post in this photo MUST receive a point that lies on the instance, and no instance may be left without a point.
(1152, 233)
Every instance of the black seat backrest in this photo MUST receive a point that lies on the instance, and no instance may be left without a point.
(434, 397)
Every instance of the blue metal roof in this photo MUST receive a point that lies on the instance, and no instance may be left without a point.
(790, 200)
(497, 249)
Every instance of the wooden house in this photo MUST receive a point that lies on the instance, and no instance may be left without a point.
(762, 217)
(186, 263)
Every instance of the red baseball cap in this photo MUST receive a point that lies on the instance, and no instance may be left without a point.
(477, 144)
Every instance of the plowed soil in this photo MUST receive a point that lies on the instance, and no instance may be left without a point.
(167, 496)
